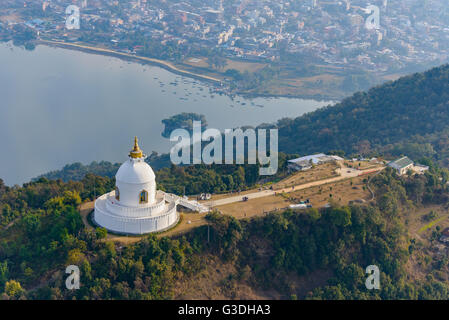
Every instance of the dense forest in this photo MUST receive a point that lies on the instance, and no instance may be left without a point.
(17, 202)
(407, 116)
(267, 253)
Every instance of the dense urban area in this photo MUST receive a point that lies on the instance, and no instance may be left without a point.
(306, 45)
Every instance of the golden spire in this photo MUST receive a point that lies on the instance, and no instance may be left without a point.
(136, 152)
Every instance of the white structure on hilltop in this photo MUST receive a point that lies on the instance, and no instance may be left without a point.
(135, 207)
(305, 163)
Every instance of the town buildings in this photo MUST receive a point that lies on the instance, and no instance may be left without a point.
(332, 33)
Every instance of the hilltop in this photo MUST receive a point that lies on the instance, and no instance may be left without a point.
(317, 254)
(409, 115)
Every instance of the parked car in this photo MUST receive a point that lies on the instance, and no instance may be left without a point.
(298, 206)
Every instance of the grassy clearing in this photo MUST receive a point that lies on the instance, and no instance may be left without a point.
(431, 224)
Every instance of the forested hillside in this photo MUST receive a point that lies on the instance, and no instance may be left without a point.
(76, 171)
(279, 254)
(410, 115)
(189, 180)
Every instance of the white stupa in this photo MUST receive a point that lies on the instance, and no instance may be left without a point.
(135, 207)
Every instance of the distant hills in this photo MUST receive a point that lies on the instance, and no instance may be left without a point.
(76, 171)
(410, 115)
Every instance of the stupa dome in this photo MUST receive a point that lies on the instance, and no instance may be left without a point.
(132, 171)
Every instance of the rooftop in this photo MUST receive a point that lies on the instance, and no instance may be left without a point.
(401, 163)
(316, 158)
(313, 157)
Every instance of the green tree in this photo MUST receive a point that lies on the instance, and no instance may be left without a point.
(101, 233)
(13, 289)
(341, 216)
(4, 273)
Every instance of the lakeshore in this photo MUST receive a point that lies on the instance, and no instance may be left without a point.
(283, 88)
(128, 56)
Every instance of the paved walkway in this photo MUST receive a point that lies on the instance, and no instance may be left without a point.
(344, 172)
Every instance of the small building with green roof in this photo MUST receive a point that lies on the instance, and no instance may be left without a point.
(402, 165)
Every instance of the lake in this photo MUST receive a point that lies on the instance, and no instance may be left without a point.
(59, 106)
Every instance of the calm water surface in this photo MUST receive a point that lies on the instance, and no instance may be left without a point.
(59, 106)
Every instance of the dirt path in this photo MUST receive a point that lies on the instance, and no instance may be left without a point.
(85, 209)
(9, 225)
(373, 195)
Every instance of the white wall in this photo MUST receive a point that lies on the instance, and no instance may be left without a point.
(130, 193)
(134, 225)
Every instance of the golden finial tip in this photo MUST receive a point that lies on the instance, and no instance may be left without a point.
(136, 152)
